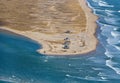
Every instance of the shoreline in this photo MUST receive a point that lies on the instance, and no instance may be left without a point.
(46, 46)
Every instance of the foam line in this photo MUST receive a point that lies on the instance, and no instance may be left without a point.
(110, 64)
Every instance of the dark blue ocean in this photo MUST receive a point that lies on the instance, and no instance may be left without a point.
(20, 63)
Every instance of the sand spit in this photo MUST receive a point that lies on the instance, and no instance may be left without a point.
(64, 27)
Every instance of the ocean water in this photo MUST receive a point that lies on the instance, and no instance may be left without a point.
(20, 63)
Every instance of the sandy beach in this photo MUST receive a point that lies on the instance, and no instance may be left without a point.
(64, 27)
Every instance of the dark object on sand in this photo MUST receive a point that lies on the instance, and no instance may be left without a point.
(67, 39)
(66, 43)
(66, 47)
(68, 31)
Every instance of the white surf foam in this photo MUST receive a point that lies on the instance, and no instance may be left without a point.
(97, 68)
(115, 34)
(112, 40)
(68, 75)
(117, 47)
(110, 64)
(110, 20)
(115, 29)
(104, 4)
(108, 54)
(9, 79)
(102, 76)
(109, 12)
(119, 11)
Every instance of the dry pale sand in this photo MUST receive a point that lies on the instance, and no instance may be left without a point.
(62, 27)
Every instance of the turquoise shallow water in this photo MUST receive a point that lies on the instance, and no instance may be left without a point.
(20, 63)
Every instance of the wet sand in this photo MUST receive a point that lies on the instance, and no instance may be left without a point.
(64, 27)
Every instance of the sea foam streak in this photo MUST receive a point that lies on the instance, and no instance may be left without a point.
(104, 4)
(110, 64)
(9, 79)
(115, 34)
